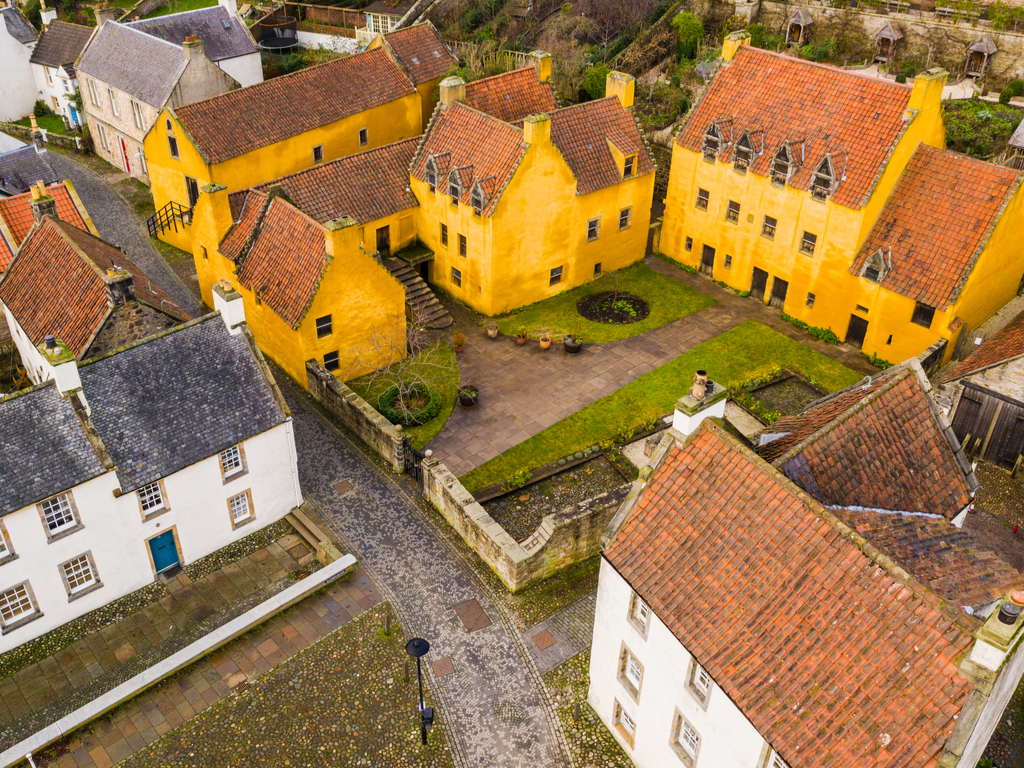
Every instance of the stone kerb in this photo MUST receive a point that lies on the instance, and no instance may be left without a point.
(564, 538)
(356, 414)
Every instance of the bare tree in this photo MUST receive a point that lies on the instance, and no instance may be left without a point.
(613, 17)
(562, 39)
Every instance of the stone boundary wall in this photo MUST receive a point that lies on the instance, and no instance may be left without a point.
(566, 537)
(80, 141)
(356, 414)
(140, 9)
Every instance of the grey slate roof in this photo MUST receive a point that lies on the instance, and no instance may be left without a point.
(18, 26)
(61, 44)
(206, 23)
(132, 61)
(1017, 140)
(43, 448)
(177, 399)
(24, 167)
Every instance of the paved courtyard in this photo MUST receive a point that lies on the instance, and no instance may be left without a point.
(524, 390)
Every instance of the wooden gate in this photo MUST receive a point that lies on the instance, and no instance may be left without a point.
(758, 283)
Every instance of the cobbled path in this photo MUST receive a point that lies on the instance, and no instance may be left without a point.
(494, 704)
(573, 631)
(118, 224)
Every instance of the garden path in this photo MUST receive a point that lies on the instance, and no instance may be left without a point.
(524, 390)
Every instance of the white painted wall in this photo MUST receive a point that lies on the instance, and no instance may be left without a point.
(728, 739)
(37, 368)
(17, 86)
(60, 88)
(247, 70)
(113, 529)
(336, 43)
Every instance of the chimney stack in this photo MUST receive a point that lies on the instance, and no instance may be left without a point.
(705, 399)
(105, 13)
(46, 15)
(63, 368)
(537, 129)
(452, 89)
(42, 203)
(228, 302)
(37, 136)
(192, 48)
(120, 286)
(620, 84)
(230, 5)
(542, 63)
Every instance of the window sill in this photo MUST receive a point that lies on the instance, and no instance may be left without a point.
(155, 514)
(685, 757)
(634, 694)
(922, 325)
(64, 533)
(623, 229)
(731, 221)
(7, 559)
(21, 622)
(701, 699)
(640, 627)
(250, 519)
(235, 475)
(704, 209)
(629, 738)
(808, 254)
(83, 592)
(767, 237)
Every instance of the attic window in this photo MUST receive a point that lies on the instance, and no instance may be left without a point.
(874, 267)
(782, 166)
(630, 166)
(415, 61)
(454, 187)
(923, 315)
(823, 181)
(431, 174)
(225, 23)
(478, 200)
(712, 143)
(744, 154)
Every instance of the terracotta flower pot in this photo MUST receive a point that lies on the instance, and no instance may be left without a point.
(545, 342)
(457, 349)
(520, 340)
(492, 331)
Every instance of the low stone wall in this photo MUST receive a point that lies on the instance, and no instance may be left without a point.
(140, 9)
(356, 414)
(566, 537)
(69, 141)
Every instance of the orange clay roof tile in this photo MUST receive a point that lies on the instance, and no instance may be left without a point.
(16, 213)
(817, 108)
(511, 96)
(817, 644)
(422, 52)
(250, 207)
(935, 222)
(1004, 345)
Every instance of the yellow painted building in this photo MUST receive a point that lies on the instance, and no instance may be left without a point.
(282, 126)
(299, 250)
(827, 194)
(518, 213)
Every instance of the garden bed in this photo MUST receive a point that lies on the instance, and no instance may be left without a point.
(613, 307)
(784, 394)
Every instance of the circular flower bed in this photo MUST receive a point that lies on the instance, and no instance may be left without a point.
(614, 308)
(421, 404)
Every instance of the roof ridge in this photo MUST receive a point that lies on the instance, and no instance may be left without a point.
(145, 340)
(330, 163)
(500, 75)
(499, 122)
(584, 105)
(179, 13)
(135, 31)
(828, 67)
(968, 160)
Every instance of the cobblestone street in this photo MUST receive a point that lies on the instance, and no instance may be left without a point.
(490, 693)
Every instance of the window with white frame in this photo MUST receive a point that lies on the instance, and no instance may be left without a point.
(777, 761)
(240, 508)
(457, 277)
(103, 136)
(136, 113)
(94, 95)
(640, 612)
(685, 740)
(699, 682)
(625, 724)
(49, 78)
(79, 574)
(57, 514)
(5, 544)
(15, 604)
(631, 672)
(151, 498)
(593, 229)
(113, 101)
(231, 461)
(625, 218)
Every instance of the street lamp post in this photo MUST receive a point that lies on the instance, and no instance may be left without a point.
(417, 648)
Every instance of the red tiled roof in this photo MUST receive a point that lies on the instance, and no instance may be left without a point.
(241, 121)
(286, 261)
(833, 658)
(422, 52)
(855, 117)
(16, 213)
(936, 222)
(482, 147)
(582, 133)
(511, 96)
(947, 559)
(367, 186)
(55, 285)
(1004, 345)
(878, 446)
(250, 206)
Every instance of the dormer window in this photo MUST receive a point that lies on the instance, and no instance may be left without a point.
(477, 200)
(712, 143)
(630, 166)
(744, 154)
(823, 181)
(454, 187)
(875, 267)
(431, 174)
(782, 166)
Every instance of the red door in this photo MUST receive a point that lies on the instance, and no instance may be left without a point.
(124, 154)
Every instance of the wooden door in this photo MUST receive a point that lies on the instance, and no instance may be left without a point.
(707, 260)
(965, 421)
(124, 156)
(857, 331)
(384, 242)
(1007, 441)
(779, 290)
(758, 283)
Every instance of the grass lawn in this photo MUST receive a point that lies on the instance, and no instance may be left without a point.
(438, 366)
(733, 358)
(51, 123)
(668, 300)
(180, 6)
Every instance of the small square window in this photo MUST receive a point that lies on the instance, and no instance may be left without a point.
(808, 243)
(597, 269)
(810, 300)
(16, 604)
(699, 683)
(58, 514)
(241, 509)
(167, 122)
(593, 229)
(331, 361)
(556, 276)
(630, 166)
(364, 137)
(457, 277)
(444, 234)
(768, 227)
(151, 498)
(231, 461)
(732, 213)
(689, 244)
(318, 154)
(79, 574)
(625, 218)
(923, 315)
(324, 326)
(463, 245)
(625, 724)
(862, 308)
(728, 261)
(703, 198)
(684, 740)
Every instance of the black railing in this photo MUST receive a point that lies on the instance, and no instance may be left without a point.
(168, 217)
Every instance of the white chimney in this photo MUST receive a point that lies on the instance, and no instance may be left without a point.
(230, 5)
(46, 15)
(705, 399)
(63, 367)
(228, 302)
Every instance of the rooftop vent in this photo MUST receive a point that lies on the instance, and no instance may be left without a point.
(1009, 612)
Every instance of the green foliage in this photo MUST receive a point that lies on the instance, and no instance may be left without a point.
(1016, 87)
(690, 31)
(594, 81)
(400, 407)
(878, 362)
(40, 109)
(820, 50)
(756, 407)
(825, 334)
(1005, 95)
(1005, 16)
(759, 37)
(517, 479)
(901, 79)
(978, 128)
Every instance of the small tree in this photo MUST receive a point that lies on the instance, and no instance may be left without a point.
(594, 81)
(690, 31)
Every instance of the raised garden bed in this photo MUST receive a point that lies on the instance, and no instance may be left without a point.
(613, 308)
(785, 394)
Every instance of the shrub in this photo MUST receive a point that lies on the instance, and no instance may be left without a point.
(690, 31)
(40, 109)
(1005, 95)
(391, 410)
(675, 81)
(1016, 87)
(901, 78)
(825, 334)
(594, 81)
(517, 479)
(878, 362)
(458, 339)
(759, 37)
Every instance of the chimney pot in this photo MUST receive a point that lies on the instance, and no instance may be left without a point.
(51, 341)
(111, 272)
(700, 385)
(225, 284)
(452, 89)
(1009, 612)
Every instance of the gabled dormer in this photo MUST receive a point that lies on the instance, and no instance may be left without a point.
(712, 142)
(431, 173)
(478, 199)
(783, 165)
(876, 266)
(744, 153)
(824, 179)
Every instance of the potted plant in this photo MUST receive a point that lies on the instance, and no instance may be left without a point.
(521, 335)
(545, 340)
(572, 341)
(492, 330)
(458, 340)
(468, 394)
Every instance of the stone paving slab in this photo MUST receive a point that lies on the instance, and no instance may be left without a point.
(560, 637)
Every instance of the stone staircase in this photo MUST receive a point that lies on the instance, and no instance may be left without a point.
(426, 309)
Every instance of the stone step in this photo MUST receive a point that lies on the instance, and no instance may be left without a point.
(426, 308)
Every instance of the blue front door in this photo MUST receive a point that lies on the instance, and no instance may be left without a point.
(164, 550)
